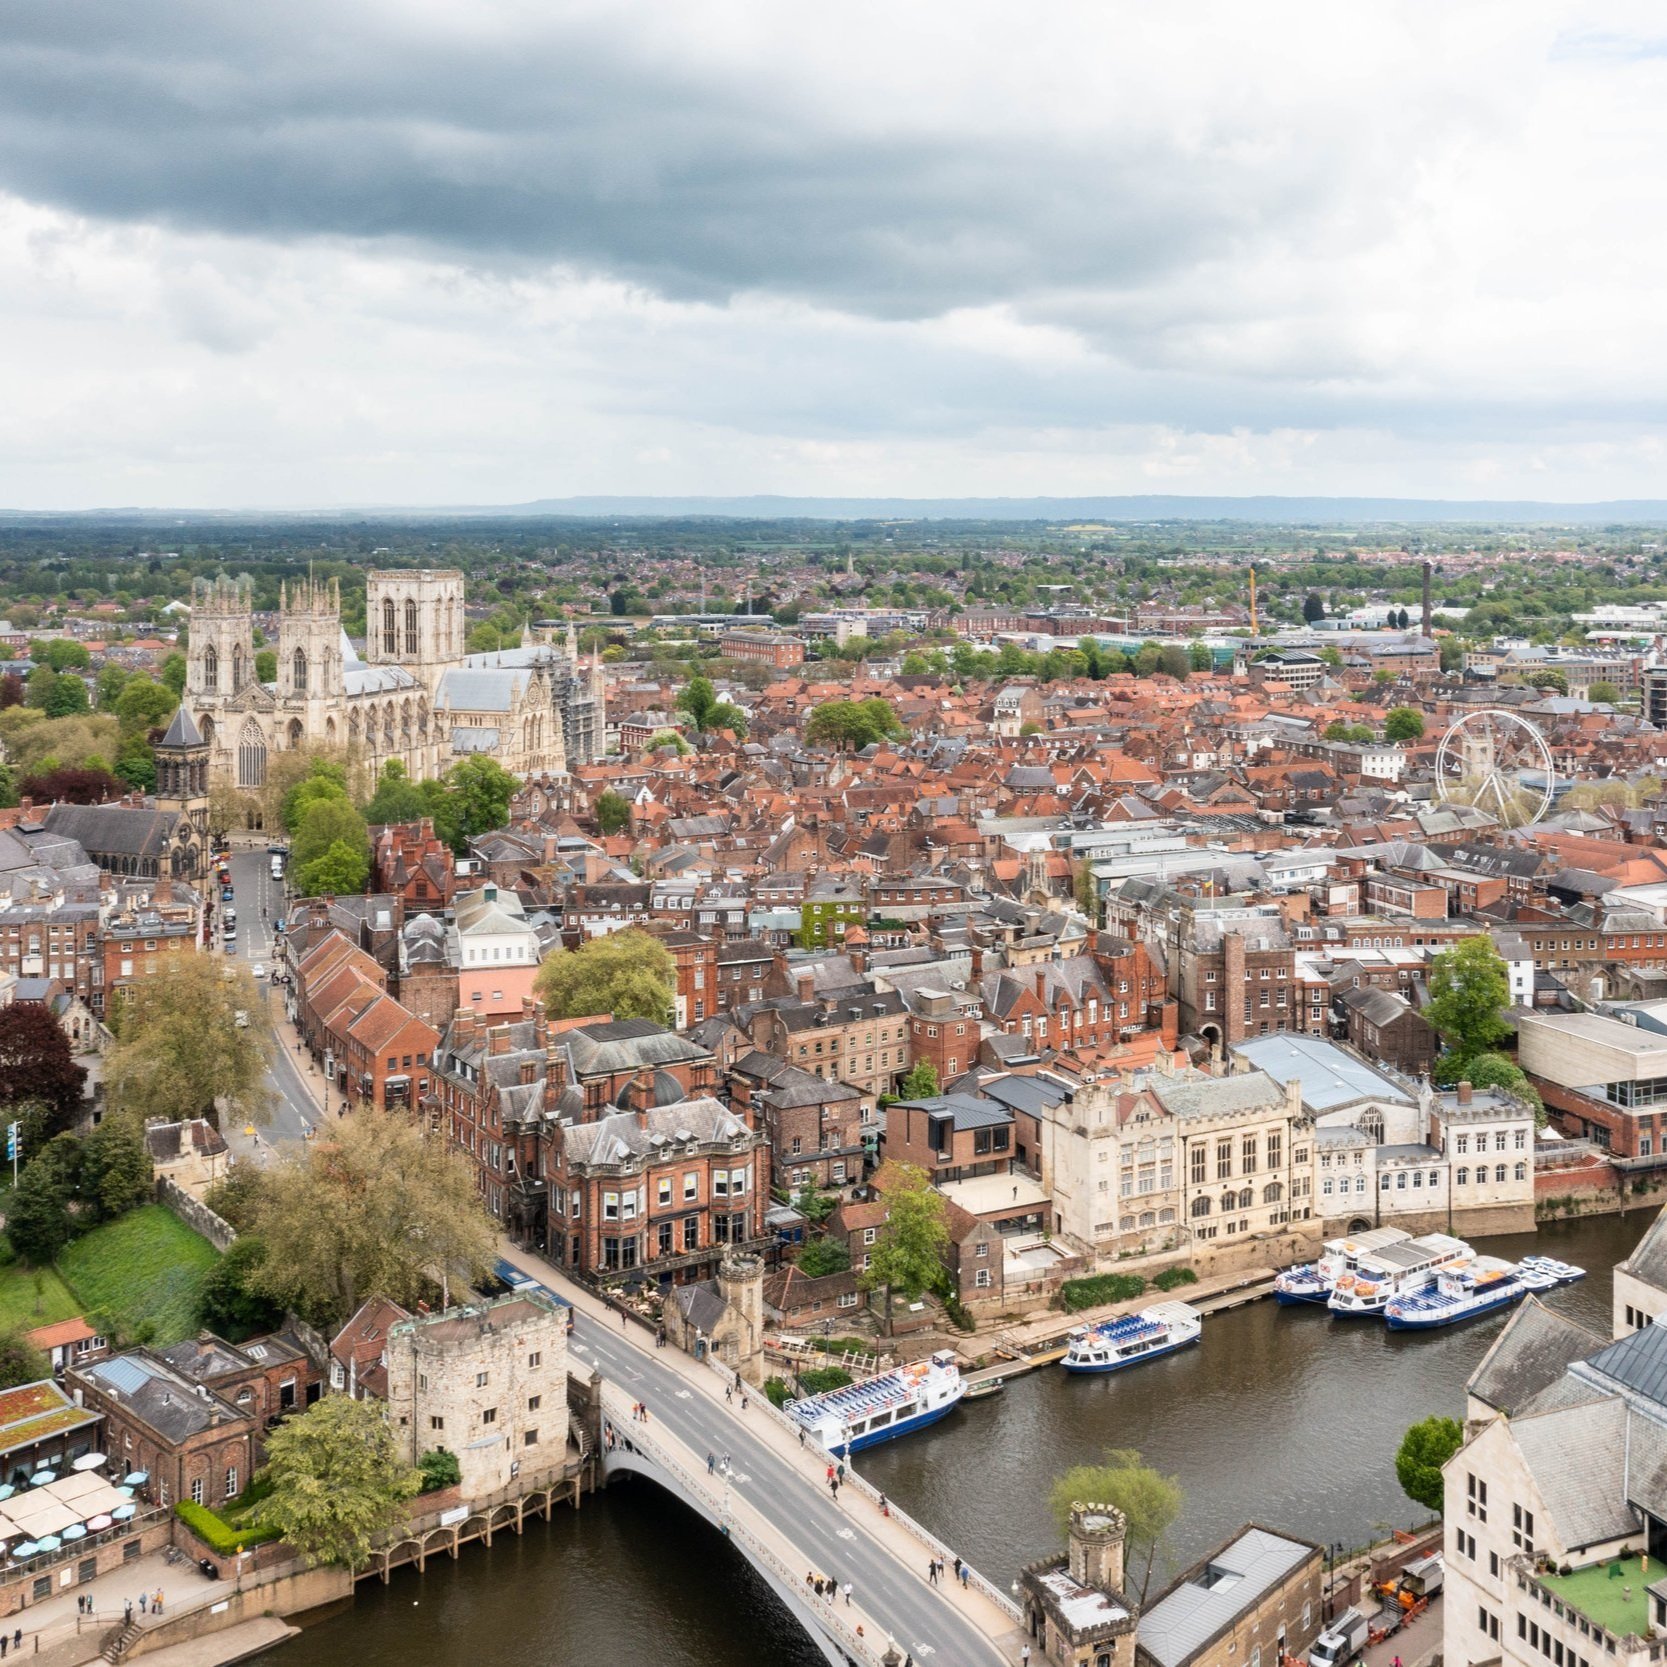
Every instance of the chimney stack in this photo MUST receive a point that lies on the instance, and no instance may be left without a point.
(807, 988)
(1464, 1093)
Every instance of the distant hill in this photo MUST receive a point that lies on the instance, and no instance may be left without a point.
(1315, 512)
(1156, 507)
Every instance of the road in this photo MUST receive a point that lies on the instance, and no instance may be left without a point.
(829, 1539)
(258, 899)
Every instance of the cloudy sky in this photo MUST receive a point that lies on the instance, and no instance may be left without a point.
(392, 251)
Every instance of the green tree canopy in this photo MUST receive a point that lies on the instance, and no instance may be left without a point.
(823, 1256)
(397, 798)
(908, 1254)
(1469, 989)
(324, 783)
(37, 1216)
(144, 705)
(1404, 723)
(341, 871)
(854, 724)
(173, 673)
(179, 1048)
(336, 1481)
(920, 1082)
(233, 1305)
(628, 974)
(372, 1206)
(1605, 694)
(613, 812)
(116, 1171)
(327, 822)
(1151, 1504)
(66, 697)
(1424, 1449)
(63, 655)
(21, 1361)
(477, 793)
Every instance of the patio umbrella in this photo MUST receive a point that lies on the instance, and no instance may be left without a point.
(136, 1480)
(126, 1493)
(89, 1461)
(50, 1543)
(24, 1548)
(94, 1524)
(123, 1512)
(42, 1477)
(7, 1491)
(75, 1532)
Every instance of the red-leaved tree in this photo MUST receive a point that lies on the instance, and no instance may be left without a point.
(36, 1063)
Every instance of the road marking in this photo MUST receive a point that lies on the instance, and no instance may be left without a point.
(685, 1395)
(846, 1533)
(925, 1649)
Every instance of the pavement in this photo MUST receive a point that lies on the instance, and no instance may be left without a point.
(1413, 1645)
(776, 1490)
(57, 1620)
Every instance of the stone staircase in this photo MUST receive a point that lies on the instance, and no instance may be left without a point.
(119, 1642)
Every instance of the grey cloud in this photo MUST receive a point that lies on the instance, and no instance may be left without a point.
(571, 143)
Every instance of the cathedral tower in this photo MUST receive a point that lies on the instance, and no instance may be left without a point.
(414, 617)
(309, 653)
(222, 647)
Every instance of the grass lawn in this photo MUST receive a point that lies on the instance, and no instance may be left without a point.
(144, 1271)
(1613, 1600)
(17, 1299)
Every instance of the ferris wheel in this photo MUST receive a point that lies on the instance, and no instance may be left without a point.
(1498, 763)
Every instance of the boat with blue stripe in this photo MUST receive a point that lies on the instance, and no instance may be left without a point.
(1114, 1344)
(884, 1407)
(1313, 1282)
(1465, 1292)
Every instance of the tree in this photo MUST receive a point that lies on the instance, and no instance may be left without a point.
(908, 1255)
(232, 1304)
(1469, 989)
(484, 638)
(266, 665)
(136, 763)
(37, 1217)
(66, 697)
(479, 790)
(325, 782)
(172, 674)
(1150, 1502)
(1424, 1449)
(397, 799)
(1087, 891)
(1554, 680)
(1490, 1070)
(21, 1361)
(700, 700)
(145, 705)
(337, 1481)
(341, 871)
(613, 812)
(667, 738)
(12, 690)
(112, 679)
(439, 1469)
(1174, 661)
(63, 655)
(1404, 723)
(116, 1172)
(324, 823)
(73, 785)
(179, 1049)
(1313, 607)
(921, 1082)
(1201, 658)
(1605, 694)
(854, 723)
(372, 1206)
(36, 1064)
(823, 1256)
(627, 974)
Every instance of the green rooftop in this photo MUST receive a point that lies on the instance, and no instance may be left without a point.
(1612, 1594)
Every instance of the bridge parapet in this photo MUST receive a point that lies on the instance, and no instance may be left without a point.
(929, 1542)
(631, 1441)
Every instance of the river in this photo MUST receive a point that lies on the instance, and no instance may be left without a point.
(1282, 1415)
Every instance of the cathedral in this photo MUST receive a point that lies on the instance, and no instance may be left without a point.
(415, 696)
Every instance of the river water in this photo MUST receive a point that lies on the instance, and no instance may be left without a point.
(1282, 1415)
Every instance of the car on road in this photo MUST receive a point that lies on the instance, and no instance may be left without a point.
(259, 969)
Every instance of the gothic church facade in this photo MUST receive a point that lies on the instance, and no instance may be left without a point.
(414, 696)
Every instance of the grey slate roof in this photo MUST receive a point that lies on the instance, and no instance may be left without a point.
(1638, 1363)
(1197, 1608)
(1212, 1096)
(1537, 1346)
(1648, 1260)
(183, 731)
(1587, 1501)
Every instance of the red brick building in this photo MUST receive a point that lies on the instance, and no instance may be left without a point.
(763, 648)
(409, 861)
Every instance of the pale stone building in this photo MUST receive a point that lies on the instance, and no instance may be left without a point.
(1135, 1165)
(1641, 1281)
(486, 1382)
(415, 696)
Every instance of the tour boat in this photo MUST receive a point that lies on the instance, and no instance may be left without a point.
(881, 1408)
(1312, 1282)
(1112, 1344)
(1392, 1271)
(1460, 1292)
(1546, 1273)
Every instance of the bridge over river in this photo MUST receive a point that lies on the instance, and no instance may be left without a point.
(771, 1500)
